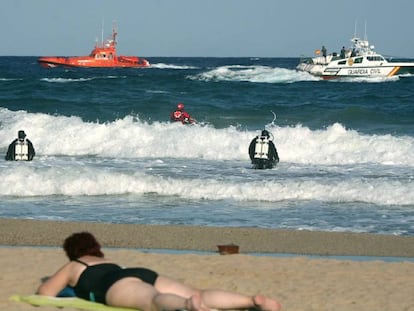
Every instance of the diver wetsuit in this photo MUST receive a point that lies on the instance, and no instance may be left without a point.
(263, 153)
(96, 280)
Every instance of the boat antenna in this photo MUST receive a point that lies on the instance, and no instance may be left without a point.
(355, 28)
(102, 31)
(365, 35)
(114, 33)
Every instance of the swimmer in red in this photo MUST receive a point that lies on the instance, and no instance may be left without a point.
(182, 116)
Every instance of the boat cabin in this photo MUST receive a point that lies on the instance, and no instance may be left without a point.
(367, 60)
(102, 54)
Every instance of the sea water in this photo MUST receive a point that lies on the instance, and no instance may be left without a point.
(106, 151)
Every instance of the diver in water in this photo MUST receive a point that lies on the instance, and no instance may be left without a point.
(182, 116)
(21, 149)
(262, 151)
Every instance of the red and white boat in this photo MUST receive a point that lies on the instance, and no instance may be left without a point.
(102, 56)
(359, 61)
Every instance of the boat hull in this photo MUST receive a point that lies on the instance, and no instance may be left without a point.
(349, 71)
(389, 70)
(90, 62)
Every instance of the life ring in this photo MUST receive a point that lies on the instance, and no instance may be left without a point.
(177, 114)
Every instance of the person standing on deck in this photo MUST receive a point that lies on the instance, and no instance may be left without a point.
(324, 52)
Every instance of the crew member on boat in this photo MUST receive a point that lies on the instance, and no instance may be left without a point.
(179, 115)
(262, 151)
(324, 51)
(21, 149)
(343, 51)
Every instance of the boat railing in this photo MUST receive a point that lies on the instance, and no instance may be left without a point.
(323, 60)
(305, 59)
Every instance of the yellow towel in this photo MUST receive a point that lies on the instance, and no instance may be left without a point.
(74, 302)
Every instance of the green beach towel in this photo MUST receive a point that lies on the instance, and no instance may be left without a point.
(73, 302)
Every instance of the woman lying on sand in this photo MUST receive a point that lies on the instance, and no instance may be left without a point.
(96, 279)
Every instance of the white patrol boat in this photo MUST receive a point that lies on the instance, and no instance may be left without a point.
(359, 61)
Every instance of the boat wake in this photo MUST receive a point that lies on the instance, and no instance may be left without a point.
(69, 80)
(255, 74)
(171, 66)
(65, 80)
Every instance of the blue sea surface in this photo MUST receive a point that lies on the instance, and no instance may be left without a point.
(106, 151)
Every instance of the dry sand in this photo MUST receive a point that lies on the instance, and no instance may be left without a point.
(298, 282)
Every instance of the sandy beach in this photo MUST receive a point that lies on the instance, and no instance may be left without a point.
(298, 282)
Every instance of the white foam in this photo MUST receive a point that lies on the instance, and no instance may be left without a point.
(171, 66)
(266, 74)
(11, 79)
(71, 80)
(65, 80)
(132, 138)
(129, 156)
(32, 180)
(262, 74)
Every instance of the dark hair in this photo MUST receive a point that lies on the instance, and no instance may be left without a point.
(82, 244)
(265, 133)
(21, 134)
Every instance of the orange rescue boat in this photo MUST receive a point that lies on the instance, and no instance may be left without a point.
(102, 56)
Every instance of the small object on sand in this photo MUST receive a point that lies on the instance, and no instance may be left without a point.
(228, 249)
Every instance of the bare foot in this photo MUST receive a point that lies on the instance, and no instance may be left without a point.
(266, 304)
(194, 304)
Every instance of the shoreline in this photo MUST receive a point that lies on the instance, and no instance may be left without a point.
(22, 232)
(158, 251)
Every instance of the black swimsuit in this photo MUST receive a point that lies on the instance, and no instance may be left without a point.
(96, 280)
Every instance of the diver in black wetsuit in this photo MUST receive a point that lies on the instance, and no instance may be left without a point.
(262, 151)
(21, 149)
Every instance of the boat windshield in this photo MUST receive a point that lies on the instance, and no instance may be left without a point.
(375, 58)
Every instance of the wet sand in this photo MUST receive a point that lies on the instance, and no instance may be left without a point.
(298, 282)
